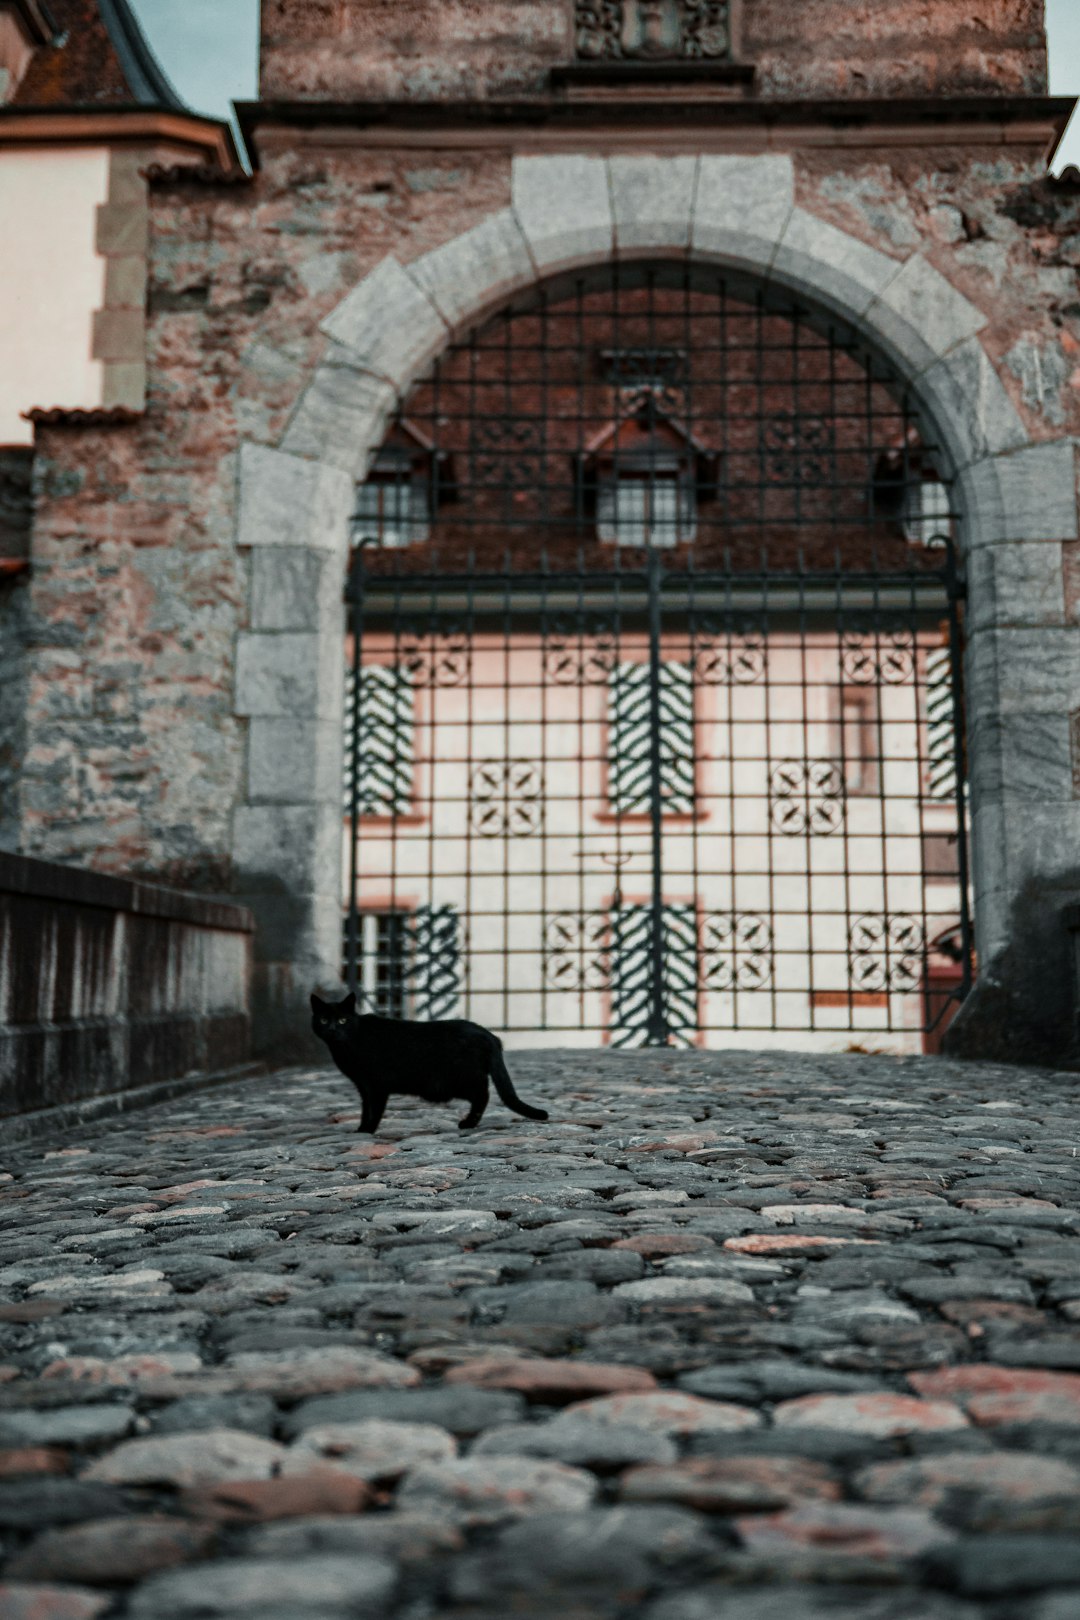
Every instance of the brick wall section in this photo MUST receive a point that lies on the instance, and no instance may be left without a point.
(431, 50)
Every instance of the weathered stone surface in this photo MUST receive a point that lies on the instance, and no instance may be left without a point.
(603, 1447)
(19, 1601)
(665, 1413)
(845, 1535)
(881, 1414)
(189, 1459)
(246, 1586)
(374, 1450)
(552, 1381)
(489, 1490)
(731, 1485)
(108, 1552)
(318, 1490)
(68, 1426)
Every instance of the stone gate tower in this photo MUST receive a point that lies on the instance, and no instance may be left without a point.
(416, 166)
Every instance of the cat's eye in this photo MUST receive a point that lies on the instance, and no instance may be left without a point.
(343, 1020)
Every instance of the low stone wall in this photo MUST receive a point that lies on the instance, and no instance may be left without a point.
(108, 985)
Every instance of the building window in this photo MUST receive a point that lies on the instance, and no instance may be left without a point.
(940, 726)
(646, 511)
(380, 726)
(632, 988)
(857, 741)
(927, 517)
(408, 963)
(630, 732)
(391, 513)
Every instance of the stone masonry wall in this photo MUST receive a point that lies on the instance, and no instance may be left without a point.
(143, 730)
(435, 49)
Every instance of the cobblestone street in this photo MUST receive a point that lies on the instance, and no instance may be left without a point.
(753, 1336)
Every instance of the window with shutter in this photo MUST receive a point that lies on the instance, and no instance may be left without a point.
(380, 726)
(630, 740)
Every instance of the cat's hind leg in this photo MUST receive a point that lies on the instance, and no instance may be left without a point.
(477, 1103)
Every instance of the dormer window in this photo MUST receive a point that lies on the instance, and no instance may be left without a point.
(907, 491)
(24, 26)
(643, 479)
(407, 482)
(927, 517)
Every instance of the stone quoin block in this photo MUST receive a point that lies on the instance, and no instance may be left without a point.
(285, 845)
(830, 266)
(390, 326)
(1029, 494)
(277, 674)
(970, 405)
(294, 761)
(920, 315)
(342, 415)
(563, 205)
(652, 201)
(286, 501)
(1030, 671)
(286, 587)
(489, 263)
(1024, 756)
(741, 207)
(1015, 585)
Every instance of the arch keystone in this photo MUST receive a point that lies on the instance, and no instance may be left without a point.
(741, 207)
(652, 200)
(563, 205)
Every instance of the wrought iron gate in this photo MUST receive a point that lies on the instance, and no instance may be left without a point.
(659, 804)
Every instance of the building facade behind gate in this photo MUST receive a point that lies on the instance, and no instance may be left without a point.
(632, 447)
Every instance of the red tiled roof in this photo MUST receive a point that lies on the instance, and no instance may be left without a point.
(102, 416)
(100, 58)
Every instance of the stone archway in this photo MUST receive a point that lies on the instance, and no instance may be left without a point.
(1018, 500)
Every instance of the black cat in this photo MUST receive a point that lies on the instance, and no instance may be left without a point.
(437, 1061)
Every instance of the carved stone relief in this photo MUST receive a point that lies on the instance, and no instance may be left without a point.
(653, 30)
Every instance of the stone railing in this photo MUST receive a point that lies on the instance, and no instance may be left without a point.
(113, 991)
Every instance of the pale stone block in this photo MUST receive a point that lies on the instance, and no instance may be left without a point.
(287, 848)
(287, 501)
(285, 588)
(1015, 584)
(122, 228)
(920, 315)
(277, 675)
(830, 266)
(477, 270)
(563, 205)
(390, 326)
(1028, 495)
(969, 405)
(1043, 841)
(124, 383)
(1024, 757)
(652, 201)
(118, 334)
(125, 282)
(1024, 671)
(342, 416)
(741, 207)
(295, 761)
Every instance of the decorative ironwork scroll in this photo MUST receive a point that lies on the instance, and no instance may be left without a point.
(507, 798)
(798, 449)
(886, 951)
(807, 796)
(733, 654)
(581, 652)
(577, 950)
(736, 951)
(878, 656)
(441, 657)
(653, 30)
(507, 454)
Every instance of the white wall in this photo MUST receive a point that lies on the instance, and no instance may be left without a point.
(51, 281)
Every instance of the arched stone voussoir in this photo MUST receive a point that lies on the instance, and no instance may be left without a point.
(829, 267)
(491, 262)
(741, 208)
(563, 205)
(342, 415)
(920, 316)
(969, 405)
(286, 500)
(1023, 495)
(388, 324)
(652, 201)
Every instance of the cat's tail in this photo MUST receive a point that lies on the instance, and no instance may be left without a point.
(505, 1086)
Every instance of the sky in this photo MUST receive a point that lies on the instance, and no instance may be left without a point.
(210, 50)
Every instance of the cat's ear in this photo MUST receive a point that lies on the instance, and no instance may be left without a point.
(349, 1004)
(317, 1004)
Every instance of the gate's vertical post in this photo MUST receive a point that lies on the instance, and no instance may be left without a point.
(355, 622)
(957, 592)
(658, 1029)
